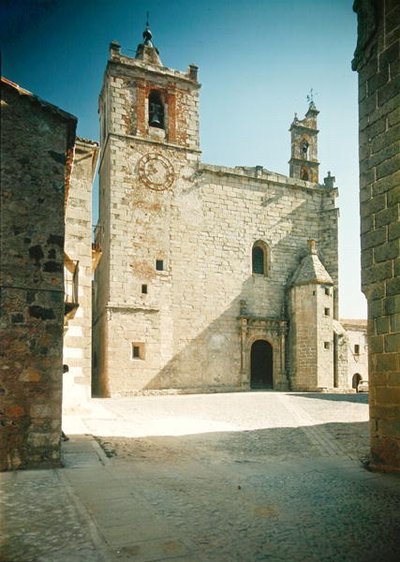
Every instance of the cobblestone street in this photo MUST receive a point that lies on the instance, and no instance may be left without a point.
(226, 477)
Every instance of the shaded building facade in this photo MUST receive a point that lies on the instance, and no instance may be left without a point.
(37, 141)
(377, 61)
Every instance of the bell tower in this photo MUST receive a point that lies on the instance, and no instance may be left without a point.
(304, 163)
(149, 130)
(144, 99)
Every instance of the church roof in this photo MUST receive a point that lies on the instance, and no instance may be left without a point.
(311, 270)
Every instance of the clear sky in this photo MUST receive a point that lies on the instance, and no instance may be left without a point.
(258, 61)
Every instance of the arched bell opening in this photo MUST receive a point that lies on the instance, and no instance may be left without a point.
(156, 110)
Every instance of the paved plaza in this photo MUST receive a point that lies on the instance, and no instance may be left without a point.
(222, 477)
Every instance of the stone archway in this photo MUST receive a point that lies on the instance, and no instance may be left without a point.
(355, 380)
(261, 365)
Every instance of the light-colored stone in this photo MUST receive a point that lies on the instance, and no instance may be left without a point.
(179, 304)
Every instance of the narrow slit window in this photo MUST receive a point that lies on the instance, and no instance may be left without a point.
(144, 289)
(138, 350)
(357, 349)
(258, 260)
(327, 292)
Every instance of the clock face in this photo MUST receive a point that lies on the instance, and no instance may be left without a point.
(156, 171)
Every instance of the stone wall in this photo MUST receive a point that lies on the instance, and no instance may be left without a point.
(77, 352)
(177, 304)
(377, 60)
(204, 231)
(356, 349)
(36, 149)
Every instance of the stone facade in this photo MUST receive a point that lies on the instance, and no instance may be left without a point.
(194, 290)
(355, 352)
(36, 152)
(77, 352)
(377, 60)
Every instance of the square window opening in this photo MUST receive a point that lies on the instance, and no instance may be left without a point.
(160, 265)
(138, 350)
(327, 345)
(144, 289)
(327, 312)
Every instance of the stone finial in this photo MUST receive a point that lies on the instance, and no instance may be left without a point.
(193, 70)
(115, 49)
(146, 51)
(329, 181)
(312, 246)
(147, 34)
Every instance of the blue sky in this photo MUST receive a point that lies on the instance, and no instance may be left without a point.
(258, 60)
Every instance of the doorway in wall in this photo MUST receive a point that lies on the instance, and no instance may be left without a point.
(355, 380)
(261, 365)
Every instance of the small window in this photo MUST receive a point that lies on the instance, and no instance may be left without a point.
(327, 292)
(144, 289)
(305, 145)
(357, 349)
(160, 265)
(327, 345)
(138, 351)
(259, 258)
(327, 312)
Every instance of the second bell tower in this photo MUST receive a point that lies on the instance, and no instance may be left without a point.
(304, 163)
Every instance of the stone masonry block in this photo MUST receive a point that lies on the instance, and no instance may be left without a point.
(387, 251)
(386, 217)
(392, 343)
(392, 305)
(382, 325)
(388, 167)
(382, 363)
(393, 286)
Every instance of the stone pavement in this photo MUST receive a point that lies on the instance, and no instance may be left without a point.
(236, 477)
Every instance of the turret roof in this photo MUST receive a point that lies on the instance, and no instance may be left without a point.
(311, 270)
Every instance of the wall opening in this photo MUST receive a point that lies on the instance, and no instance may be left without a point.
(156, 110)
(259, 258)
(261, 370)
(355, 380)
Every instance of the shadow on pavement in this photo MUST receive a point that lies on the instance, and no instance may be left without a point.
(361, 398)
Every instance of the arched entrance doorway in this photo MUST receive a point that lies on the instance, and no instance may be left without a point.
(261, 365)
(356, 379)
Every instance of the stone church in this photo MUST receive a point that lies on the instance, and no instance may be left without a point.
(210, 278)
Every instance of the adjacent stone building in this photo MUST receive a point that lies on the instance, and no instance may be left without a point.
(377, 60)
(351, 352)
(37, 141)
(211, 278)
(78, 269)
